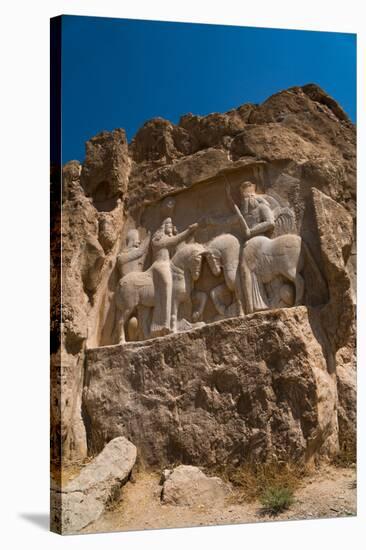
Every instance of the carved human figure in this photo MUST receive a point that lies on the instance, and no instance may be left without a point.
(263, 260)
(163, 242)
(133, 255)
(254, 209)
(137, 291)
(257, 218)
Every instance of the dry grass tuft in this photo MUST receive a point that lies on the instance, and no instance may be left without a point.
(61, 475)
(253, 480)
(347, 455)
(276, 500)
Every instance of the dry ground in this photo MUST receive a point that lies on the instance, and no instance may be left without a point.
(328, 492)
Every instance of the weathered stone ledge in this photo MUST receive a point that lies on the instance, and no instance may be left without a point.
(250, 388)
(259, 316)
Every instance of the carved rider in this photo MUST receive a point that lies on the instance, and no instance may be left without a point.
(255, 218)
(163, 242)
(133, 256)
(256, 211)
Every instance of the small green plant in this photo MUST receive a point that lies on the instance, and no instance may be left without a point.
(252, 480)
(347, 455)
(276, 499)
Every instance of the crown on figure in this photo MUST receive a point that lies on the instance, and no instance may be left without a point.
(247, 187)
(168, 203)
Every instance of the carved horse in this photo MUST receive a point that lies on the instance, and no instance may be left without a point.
(262, 260)
(224, 252)
(136, 290)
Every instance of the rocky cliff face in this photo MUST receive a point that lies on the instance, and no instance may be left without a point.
(268, 385)
(254, 389)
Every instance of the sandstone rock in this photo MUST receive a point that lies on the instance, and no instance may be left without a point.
(92, 263)
(189, 486)
(160, 139)
(347, 393)
(108, 228)
(105, 169)
(77, 511)
(335, 230)
(164, 475)
(347, 389)
(158, 181)
(114, 463)
(84, 498)
(316, 118)
(251, 388)
(71, 179)
(272, 142)
(211, 130)
(325, 142)
(317, 94)
(86, 238)
(296, 140)
(309, 99)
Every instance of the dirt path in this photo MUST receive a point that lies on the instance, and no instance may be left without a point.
(329, 492)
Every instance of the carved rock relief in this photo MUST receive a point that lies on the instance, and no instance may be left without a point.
(220, 250)
(216, 251)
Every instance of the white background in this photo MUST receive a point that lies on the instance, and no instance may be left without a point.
(24, 261)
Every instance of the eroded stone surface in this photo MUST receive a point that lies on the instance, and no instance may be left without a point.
(89, 238)
(189, 486)
(297, 140)
(251, 242)
(106, 167)
(252, 388)
(335, 230)
(84, 498)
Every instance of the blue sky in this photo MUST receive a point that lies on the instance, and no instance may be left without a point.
(118, 73)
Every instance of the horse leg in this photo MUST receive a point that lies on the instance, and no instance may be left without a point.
(199, 299)
(246, 281)
(123, 316)
(298, 280)
(300, 287)
(143, 317)
(239, 294)
(218, 295)
(133, 329)
(174, 315)
(120, 328)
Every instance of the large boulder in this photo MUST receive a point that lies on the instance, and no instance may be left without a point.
(252, 388)
(189, 486)
(82, 243)
(106, 167)
(84, 498)
(335, 233)
(347, 396)
(159, 139)
(215, 129)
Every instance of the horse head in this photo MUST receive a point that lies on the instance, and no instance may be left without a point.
(189, 256)
(214, 260)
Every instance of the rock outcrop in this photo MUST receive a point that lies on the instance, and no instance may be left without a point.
(302, 127)
(189, 486)
(255, 388)
(84, 498)
(104, 176)
(271, 384)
